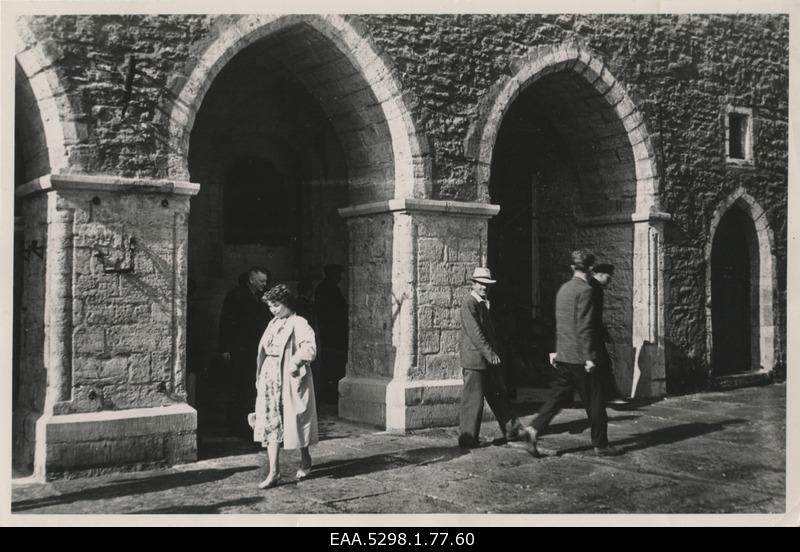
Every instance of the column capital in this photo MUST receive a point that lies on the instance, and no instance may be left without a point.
(409, 205)
(608, 220)
(105, 183)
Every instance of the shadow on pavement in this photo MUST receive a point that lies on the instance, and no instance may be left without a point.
(202, 508)
(210, 447)
(127, 487)
(663, 436)
(381, 462)
(579, 426)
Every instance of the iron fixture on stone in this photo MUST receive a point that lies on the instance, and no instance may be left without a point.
(119, 259)
(34, 248)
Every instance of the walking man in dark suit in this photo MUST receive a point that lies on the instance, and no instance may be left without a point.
(577, 332)
(481, 366)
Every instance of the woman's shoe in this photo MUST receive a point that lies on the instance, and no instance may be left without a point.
(302, 473)
(271, 480)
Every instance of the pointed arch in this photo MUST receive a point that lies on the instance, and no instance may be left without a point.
(763, 282)
(576, 58)
(44, 95)
(365, 102)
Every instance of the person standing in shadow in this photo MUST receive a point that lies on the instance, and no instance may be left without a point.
(331, 319)
(243, 318)
(601, 278)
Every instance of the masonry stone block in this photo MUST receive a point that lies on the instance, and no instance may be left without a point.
(139, 367)
(430, 250)
(429, 341)
(446, 318)
(449, 341)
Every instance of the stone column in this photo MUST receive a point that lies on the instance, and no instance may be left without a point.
(649, 377)
(113, 343)
(634, 306)
(409, 264)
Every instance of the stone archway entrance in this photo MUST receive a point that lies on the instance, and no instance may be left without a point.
(307, 102)
(273, 173)
(567, 156)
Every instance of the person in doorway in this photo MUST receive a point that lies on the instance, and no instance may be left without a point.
(242, 321)
(577, 317)
(285, 407)
(600, 279)
(330, 314)
(480, 363)
(305, 299)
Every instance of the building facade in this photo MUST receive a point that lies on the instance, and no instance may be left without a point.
(154, 151)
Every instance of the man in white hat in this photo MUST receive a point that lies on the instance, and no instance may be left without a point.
(480, 362)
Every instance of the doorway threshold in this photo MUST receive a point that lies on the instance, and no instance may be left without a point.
(747, 379)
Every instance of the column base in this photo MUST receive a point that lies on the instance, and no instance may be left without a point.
(94, 443)
(402, 405)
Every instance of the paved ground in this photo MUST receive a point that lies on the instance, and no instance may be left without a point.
(721, 452)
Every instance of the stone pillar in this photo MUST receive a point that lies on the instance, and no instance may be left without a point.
(409, 264)
(113, 281)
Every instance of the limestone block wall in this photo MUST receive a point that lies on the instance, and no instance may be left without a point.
(128, 327)
(371, 352)
(448, 249)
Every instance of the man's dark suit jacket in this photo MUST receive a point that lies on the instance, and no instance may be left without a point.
(242, 322)
(601, 336)
(477, 339)
(576, 329)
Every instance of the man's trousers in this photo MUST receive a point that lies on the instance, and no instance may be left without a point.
(571, 378)
(477, 385)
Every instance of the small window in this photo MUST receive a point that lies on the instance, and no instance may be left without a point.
(739, 135)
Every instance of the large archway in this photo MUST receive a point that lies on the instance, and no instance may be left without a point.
(566, 154)
(39, 149)
(740, 287)
(292, 121)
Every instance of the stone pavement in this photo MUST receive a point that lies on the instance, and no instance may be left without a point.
(716, 452)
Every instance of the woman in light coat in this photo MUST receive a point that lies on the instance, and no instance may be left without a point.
(285, 411)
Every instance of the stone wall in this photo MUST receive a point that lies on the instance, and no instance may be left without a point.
(32, 380)
(128, 336)
(448, 249)
(681, 72)
(371, 299)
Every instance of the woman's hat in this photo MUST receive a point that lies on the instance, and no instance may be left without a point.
(483, 275)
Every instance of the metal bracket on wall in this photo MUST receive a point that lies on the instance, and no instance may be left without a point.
(120, 261)
(34, 248)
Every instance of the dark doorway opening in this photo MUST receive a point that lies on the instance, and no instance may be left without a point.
(731, 309)
(561, 162)
(273, 171)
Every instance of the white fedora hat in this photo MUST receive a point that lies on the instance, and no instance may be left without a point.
(483, 275)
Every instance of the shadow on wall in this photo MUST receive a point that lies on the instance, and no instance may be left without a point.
(684, 373)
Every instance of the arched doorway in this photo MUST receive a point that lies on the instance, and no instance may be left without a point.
(730, 294)
(740, 288)
(571, 165)
(29, 378)
(289, 131)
